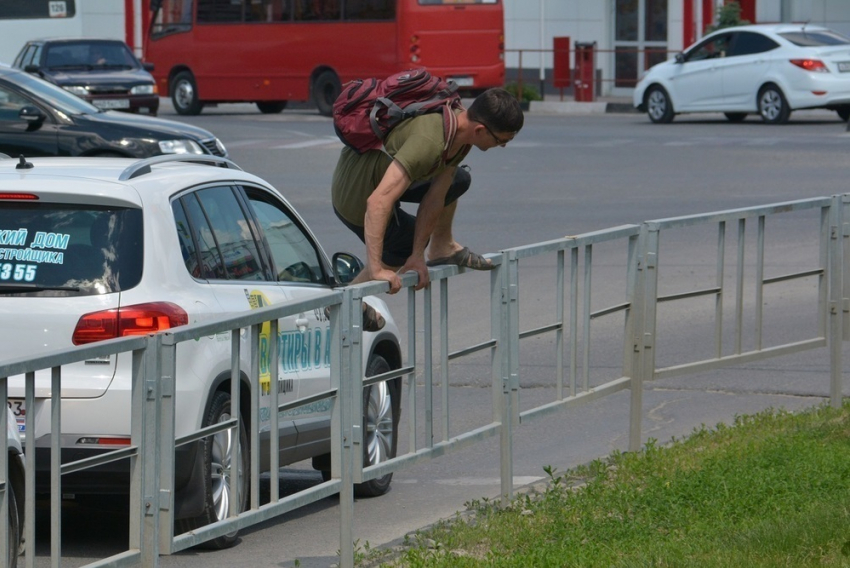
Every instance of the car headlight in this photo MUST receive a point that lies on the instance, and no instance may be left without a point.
(143, 90)
(220, 147)
(180, 147)
(78, 90)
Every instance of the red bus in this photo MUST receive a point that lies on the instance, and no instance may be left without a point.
(272, 51)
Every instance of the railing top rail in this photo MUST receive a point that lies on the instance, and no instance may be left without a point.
(570, 242)
(738, 214)
(252, 317)
(56, 358)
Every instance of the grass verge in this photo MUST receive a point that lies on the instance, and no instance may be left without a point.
(771, 490)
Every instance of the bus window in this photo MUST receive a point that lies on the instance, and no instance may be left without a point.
(317, 10)
(176, 16)
(369, 10)
(220, 11)
(268, 11)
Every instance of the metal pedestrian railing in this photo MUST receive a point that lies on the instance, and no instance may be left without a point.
(583, 303)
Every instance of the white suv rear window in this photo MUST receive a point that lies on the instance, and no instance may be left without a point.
(62, 249)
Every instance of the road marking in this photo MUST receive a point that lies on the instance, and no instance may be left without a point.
(309, 143)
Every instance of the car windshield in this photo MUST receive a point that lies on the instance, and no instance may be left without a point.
(89, 55)
(58, 249)
(815, 38)
(58, 97)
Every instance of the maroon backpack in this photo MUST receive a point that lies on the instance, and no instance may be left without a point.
(367, 110)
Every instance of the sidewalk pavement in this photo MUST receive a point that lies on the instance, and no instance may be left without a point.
(554, 104)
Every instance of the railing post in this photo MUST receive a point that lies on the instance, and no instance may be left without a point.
(509, 343)
(4, 470)
(145, 466)
(634, 313)
(845, 269)
(346, 430)
(646, 295)
(836, 303)
(165, 481)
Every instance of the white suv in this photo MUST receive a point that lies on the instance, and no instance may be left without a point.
(96, 248)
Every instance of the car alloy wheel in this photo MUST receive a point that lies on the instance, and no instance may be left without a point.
(772, 105)
(658, 105)
(217, 454)
(381, 408)
(222, 469)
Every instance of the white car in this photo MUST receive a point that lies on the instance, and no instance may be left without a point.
(771, 70)
(95, 248)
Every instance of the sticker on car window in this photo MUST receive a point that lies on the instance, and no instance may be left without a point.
(29, 255)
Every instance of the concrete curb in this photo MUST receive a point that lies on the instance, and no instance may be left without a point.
(574, 108)
(571, 107)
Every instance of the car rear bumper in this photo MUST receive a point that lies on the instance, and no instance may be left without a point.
(108, 478)
(820, 90)
(113, 478)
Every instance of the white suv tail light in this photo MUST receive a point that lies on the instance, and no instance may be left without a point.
(141, 319)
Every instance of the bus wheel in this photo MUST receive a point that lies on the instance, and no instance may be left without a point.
(271, 107)
(326, 89)
(184, 94)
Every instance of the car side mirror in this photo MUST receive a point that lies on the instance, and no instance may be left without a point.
(680, 58)
(346, 267)
(34, 69)
(147, 66)
(32, 114)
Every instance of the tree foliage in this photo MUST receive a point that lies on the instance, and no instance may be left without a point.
(728, 15)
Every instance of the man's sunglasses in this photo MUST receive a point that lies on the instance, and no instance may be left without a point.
(498, 140)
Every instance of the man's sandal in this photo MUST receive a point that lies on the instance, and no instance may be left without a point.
(464, 258)
(372, 318)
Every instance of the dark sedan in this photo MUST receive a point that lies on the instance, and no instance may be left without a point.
(102, 71)
(38, 118)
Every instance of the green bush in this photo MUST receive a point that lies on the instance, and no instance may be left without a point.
(529, 92)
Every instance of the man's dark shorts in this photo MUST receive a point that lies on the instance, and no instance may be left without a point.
(398, 238)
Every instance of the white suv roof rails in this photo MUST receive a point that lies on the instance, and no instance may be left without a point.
(143, 167)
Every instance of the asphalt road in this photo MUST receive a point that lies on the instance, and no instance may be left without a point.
(563, 175)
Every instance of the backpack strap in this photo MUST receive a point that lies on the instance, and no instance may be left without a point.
(450, 131)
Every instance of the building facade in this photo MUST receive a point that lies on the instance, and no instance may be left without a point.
(632, 35)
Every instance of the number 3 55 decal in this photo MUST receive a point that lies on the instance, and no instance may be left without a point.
(17, 272)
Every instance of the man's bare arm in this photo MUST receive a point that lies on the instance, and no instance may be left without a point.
(379, 208)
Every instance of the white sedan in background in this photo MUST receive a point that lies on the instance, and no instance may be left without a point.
(771, 70)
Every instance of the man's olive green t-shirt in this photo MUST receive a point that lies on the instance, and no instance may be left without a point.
(416, 144)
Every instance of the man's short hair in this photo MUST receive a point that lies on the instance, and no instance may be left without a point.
(498, 109)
